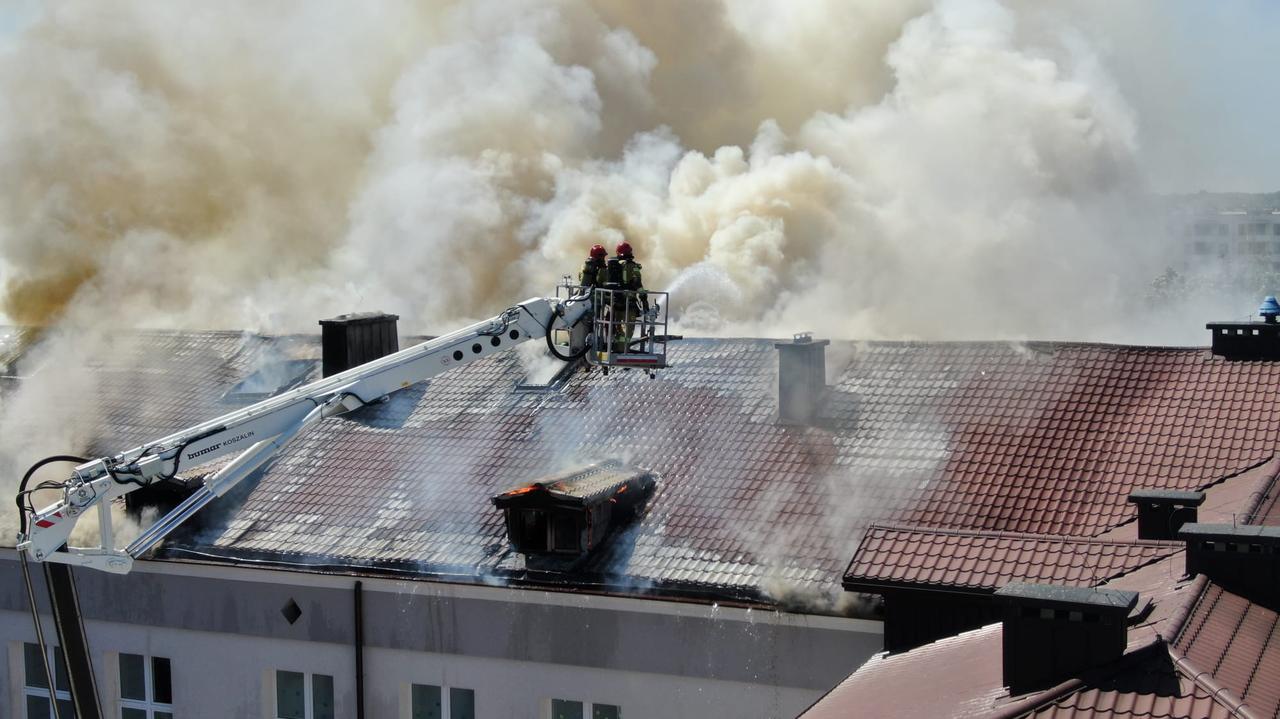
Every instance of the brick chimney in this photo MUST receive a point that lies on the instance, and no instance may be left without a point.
(1161, 512)
(802, 378)
(352, 340)
(1053, 633)
(1243, 559)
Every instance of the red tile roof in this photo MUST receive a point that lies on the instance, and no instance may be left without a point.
(965, 672)
(1200, 651)
(1044, 438)
(1149, 686)
(1038, 437)
(1050, 438)
(986, 561)
(930, 676)
(1238, 642)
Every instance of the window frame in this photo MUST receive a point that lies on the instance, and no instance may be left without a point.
(51, 692)
(446, 698)
(588, 707)
(149, 705)
(308, 692)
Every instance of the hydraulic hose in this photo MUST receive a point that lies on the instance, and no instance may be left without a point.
(570, 357)
(22, 486)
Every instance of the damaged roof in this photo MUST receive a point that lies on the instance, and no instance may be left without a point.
(1041, 438)
(588, 485)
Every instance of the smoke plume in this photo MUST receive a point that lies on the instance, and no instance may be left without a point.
(865, 169)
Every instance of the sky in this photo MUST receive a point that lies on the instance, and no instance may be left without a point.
(1203, 79)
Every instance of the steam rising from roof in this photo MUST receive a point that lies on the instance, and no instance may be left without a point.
(847, 167)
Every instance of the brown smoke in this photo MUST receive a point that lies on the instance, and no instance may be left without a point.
(782, 167)
(862, 168)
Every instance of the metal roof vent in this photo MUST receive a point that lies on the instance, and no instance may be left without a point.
(1052, 633)
(565, 516)
(802, 378)
(354, 339)
(1243, 559)
(1161, 512)
(1249, 340)
(1269, 309)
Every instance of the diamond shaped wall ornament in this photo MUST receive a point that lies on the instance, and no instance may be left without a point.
(291, 611)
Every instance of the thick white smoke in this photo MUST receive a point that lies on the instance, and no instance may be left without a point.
(866, 169)
(940, 170)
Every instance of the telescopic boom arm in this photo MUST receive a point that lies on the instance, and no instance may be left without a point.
(258, 432)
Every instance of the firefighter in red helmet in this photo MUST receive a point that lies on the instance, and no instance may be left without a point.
(593, 275)
(622, 272)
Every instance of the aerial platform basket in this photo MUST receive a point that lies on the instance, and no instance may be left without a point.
(628, 328)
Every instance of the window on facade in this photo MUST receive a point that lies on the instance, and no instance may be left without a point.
(1258, 228)
(146, 687)
(1222, 229)
(569, 709)
(433, 702)
(1200, 248)
(303, 696)
(1275, 229)
(1203, 228)
(37, 696)
(565, 709)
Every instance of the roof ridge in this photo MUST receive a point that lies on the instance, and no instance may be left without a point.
(993, 342)
(1178, 619)
(1000, 534)
(1221, 695)
(1257, 498)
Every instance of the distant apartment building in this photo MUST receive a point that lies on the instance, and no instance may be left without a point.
(1226, 242)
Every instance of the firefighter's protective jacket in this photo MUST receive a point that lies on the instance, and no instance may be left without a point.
(592, 274)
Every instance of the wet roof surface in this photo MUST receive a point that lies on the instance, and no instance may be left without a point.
(1039, 438)
(1003, 437)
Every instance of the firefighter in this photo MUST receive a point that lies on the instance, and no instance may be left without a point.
(592, 275)
(622, 272)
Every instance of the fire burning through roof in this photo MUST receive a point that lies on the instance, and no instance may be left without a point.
(573, 513)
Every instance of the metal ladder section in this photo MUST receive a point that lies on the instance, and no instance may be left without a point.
(69, 623)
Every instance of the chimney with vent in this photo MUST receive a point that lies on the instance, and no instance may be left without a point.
(1243, 559)
(1161, 512)
(802, 378)
(1053, 633)
(352, 340)
(1249, 340)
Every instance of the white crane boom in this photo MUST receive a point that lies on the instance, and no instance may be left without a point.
(260, 431)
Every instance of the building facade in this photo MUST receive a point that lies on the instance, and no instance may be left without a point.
(482, 651)
(1230, 243)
